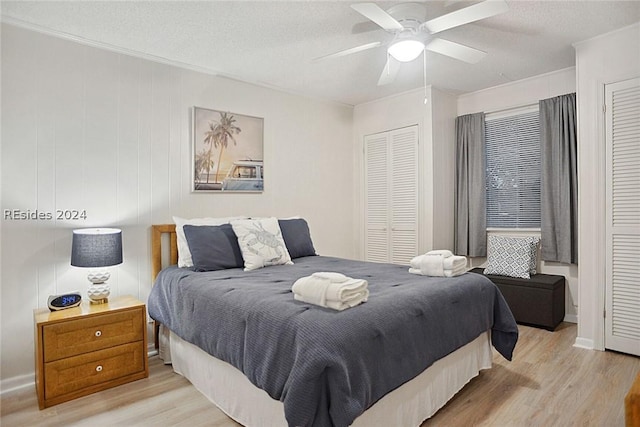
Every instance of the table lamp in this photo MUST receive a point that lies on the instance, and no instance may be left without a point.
(96, 248)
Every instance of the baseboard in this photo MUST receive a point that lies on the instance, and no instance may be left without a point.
(23, 381)
(17, 383)
(584, 343)
(571, 318)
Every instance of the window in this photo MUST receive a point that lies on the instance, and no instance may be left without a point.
(244, 172)
(513, 169)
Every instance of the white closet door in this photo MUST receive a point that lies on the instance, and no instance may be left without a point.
(376, 153)
(404, 194)
(391, 195)
(622, 317)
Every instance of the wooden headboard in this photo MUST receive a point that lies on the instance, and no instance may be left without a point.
(157, 232)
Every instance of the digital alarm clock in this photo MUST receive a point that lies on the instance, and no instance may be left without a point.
(68, 300)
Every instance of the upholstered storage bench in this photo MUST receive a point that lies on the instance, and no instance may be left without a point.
(538, 301)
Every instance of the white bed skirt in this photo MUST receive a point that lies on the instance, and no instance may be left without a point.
(408, 405)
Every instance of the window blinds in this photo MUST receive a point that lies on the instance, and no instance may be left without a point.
(513, 171)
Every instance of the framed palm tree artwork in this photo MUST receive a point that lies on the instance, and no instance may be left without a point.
(227, 152)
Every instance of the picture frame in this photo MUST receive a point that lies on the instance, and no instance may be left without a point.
(227, 152)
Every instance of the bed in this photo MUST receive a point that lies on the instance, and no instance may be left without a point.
(267, 360)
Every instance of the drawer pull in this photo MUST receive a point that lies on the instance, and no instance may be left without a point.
(98, 333)
(99, 368)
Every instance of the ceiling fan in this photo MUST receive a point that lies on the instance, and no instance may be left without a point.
(412, 34)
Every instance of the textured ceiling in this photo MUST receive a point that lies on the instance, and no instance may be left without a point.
(272, 43)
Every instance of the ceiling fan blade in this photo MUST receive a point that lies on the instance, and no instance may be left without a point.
(364, 27)
(377, 15)
(389, 71)
(486, 9)
(349, 51)
(456, 50)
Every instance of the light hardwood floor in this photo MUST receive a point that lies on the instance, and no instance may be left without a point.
(549, 383)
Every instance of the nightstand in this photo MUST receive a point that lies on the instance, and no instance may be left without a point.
(86, 349)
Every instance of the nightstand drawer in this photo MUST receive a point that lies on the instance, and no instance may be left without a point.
(84, 335)
(81, 372)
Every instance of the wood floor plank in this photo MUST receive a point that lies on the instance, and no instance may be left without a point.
(549, 383)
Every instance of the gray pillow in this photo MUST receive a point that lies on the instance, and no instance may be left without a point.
(297, 238)
(213, 247)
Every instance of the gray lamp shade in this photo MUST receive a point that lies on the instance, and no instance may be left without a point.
(96, 247)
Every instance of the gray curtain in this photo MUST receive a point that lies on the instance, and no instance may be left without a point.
(470, 232)
(559, 180)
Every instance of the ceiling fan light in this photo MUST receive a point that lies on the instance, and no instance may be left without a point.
(406, 50)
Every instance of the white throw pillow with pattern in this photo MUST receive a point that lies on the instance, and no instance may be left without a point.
(512, 256)
(261, 243)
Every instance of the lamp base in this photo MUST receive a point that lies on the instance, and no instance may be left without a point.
(99, 290)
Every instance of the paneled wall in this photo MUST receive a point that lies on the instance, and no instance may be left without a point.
(98, 131)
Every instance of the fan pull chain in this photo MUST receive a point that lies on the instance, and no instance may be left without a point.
(424, 74)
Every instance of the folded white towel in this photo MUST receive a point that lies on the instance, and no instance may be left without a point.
(337, 305)
(346, 291)
(447, 273)
(432, 265)
(438, 266)
(444, 253)
(333, 290)
(333, 277)
(454, 262)
(313, 289)
(416, 261)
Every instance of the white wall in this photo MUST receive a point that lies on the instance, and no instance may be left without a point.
(86, 128)
(436, 163)
(443, 163)
(605, 59)
(517, 94)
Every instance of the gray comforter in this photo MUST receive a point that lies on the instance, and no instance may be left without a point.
(328, 367)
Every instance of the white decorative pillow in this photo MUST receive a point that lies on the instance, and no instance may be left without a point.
(184, 254)
(261, 243)
(512, 256)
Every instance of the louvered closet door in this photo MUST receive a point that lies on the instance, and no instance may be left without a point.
(391, 196)
(622, 321)
(404, 194)
(376, 149)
